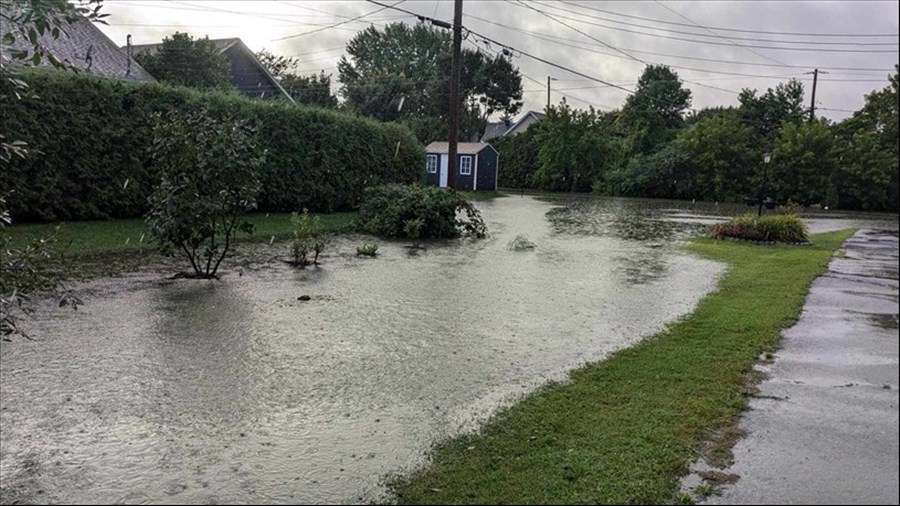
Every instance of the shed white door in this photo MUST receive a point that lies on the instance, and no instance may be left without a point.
(445, 161)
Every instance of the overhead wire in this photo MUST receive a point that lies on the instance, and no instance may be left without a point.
(724, 29)
(556, 39)
(339, 24)
(830, 50)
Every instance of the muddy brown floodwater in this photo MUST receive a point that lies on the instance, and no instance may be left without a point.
(235, 391)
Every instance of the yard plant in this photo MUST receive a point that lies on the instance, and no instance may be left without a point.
(787, 228)
(319, 159)
(418, 212)
(210, 179)
(309, 238)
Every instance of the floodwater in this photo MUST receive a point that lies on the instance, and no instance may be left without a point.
(234, 391)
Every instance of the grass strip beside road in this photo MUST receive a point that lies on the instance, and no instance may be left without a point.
(624, 430)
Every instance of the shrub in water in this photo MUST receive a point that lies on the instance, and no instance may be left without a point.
(309, 237)
(387, 211)
(209, 178)
(367, 249)
(778, 228)
(520, 243)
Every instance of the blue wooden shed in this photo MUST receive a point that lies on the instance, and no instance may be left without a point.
(477, 165)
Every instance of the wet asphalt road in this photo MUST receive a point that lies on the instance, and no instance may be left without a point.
(824, 427)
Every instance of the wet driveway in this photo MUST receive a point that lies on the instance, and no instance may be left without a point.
(235, 391)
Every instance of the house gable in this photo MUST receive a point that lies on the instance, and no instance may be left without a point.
(247, 74)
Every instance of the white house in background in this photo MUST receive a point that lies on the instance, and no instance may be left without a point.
(503, 129)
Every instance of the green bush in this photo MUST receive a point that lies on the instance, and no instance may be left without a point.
(518, 158)
(210, 179)
(93, 136)
(308, 237)
(368, 249)
(778, 228)
(418, 212)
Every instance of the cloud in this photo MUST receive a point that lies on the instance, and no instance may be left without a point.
(262, 23)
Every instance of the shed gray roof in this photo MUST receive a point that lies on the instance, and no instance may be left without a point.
(462, 148)
(84, 46)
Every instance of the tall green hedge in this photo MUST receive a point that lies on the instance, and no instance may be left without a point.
(92, 135)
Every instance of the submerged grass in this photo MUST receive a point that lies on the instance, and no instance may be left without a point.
(481, 195)
(624, 430)
(87, 249)
(85, 237)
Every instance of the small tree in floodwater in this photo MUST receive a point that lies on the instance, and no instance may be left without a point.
(308, 237)
(210, 179)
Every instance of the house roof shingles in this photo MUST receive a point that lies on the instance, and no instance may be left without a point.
(85, 47)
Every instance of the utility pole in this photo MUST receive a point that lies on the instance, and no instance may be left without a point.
(812, 106)
(454, 93)
(548, 90)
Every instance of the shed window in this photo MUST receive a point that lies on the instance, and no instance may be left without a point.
(465, 165)
(431, 163)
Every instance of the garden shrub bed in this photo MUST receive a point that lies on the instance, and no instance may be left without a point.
(784, 228)
(418, 212)
(90, 140)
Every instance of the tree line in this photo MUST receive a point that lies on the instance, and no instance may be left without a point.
(656, 146)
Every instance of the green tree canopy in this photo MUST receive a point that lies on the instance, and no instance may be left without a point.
(185, 61)
(868, 154)
(655, 112)
(722, 158)
(402, 72)
(313, 89)
(802, 162)
(767, 112)
(575, 149)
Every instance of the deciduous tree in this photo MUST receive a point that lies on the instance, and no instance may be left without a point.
(186, 61)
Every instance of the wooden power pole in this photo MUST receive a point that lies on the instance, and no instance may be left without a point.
(812, 106)
(454, 93)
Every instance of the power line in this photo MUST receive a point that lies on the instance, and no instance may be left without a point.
(723, 29)
(757, 53)
(338, 24)
(714, 43)
(555, 39)
(678, 67)
(711, 33)
(520, 2)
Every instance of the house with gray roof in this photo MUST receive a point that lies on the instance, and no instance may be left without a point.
(250, 77)
(504, 129)
(82, 45)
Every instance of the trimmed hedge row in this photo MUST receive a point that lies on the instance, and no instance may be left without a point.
(93, 136)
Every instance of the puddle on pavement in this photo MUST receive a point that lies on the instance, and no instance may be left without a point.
(235, 391)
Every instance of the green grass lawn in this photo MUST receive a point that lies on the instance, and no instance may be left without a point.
(624, 430)
(89, 237)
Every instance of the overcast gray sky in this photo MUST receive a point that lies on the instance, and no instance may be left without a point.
(608, 40)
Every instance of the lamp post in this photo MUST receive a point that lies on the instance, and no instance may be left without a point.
(762, 189)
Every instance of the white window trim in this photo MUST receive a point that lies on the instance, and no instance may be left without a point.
(462, 171)
(432, 169)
